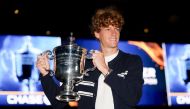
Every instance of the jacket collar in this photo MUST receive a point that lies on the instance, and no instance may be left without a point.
(115, 60)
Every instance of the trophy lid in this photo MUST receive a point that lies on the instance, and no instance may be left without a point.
(70, 45)
(70, 41)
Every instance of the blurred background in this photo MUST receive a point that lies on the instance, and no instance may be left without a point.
(158, 20)
(157, 30)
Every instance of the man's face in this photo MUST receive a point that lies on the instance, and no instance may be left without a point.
(108, 36)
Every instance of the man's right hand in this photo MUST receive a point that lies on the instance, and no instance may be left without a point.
(43, 63)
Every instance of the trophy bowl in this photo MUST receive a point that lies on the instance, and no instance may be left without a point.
(69, 60)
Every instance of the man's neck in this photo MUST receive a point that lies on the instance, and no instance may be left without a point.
(109, 51)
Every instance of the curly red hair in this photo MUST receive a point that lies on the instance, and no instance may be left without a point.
(105, 17)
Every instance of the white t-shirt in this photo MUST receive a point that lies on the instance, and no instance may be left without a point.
(104, 98)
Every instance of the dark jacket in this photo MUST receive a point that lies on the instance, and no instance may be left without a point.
(126, 81)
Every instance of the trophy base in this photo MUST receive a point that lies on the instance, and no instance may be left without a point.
(68, 96)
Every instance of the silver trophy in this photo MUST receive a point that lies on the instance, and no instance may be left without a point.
(69, 61)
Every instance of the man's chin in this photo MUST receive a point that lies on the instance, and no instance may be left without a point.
(113, 46)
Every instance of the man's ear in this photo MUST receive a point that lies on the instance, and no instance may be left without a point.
(96, 35)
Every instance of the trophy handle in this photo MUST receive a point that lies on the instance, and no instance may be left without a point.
(50, 57)
(89, 56)
(89, 69)
(50, 53)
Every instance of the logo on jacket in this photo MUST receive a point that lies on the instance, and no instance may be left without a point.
(123, 74)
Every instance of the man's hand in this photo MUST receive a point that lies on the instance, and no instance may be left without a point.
(43, 64)
(99, 62)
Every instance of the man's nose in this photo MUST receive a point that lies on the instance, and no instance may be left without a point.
(113, 31)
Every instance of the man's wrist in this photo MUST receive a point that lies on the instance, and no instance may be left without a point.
(108, 72)
(48, 72)
(44, 73)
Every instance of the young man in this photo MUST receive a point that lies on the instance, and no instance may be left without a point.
(117, 81)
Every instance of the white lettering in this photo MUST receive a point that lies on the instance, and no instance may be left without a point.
(183, 99)
(149, 76)
(27, 99)
(11, 99)
(150, 81)
(46, 101)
